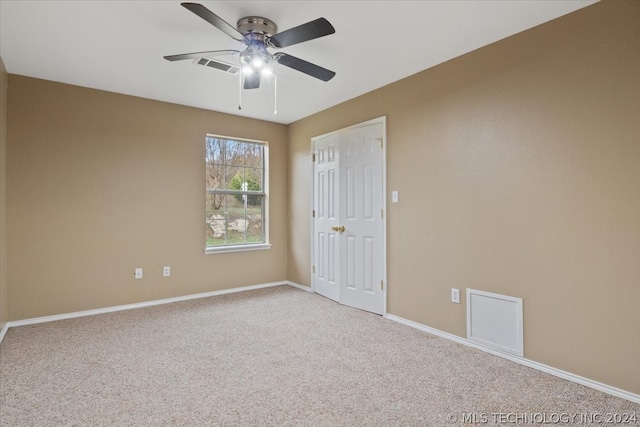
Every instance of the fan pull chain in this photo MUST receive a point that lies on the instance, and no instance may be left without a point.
(275, 94)
(240, 89)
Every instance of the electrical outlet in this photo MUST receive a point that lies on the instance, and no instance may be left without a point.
(455, 295)
(137, 274)
(166, 271)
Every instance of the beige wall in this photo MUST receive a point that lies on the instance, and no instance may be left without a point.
(101, 183)
(518, 172)
(4, 307)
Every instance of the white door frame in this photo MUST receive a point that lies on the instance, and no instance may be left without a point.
(379, 120)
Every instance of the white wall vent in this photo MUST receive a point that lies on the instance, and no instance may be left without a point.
(495, 321)
(217, 65)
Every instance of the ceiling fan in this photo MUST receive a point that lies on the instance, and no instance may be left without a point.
(258, 34)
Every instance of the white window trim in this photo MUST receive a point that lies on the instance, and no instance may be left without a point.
(208, 250)
(237, 248)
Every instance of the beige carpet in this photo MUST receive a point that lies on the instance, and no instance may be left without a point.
(277, 356)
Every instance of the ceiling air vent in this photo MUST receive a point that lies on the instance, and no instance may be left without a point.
(218, 65)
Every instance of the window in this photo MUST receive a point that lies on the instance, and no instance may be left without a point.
(236, 194)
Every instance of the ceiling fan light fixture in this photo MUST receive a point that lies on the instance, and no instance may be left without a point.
(256, 56)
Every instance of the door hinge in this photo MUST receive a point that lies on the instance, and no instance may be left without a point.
(313, 214)
(382, 285)
(313, 268)
(382, 213)
(313, 158)
(380, 139)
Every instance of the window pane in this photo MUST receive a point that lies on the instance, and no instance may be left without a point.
(245, 179)
(254, 156)
(214, 176)
(229, 223)
(232, 177)
(253, 177)
(216, 205)
(254, 231)
(216, 219)
(236, 226)
(235, 153)
(215, 150)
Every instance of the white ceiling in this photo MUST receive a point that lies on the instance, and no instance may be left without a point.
(118, 46)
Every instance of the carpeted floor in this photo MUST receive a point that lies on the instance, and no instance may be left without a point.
(276, 356)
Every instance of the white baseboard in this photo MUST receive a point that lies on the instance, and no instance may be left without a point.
(3, 332)
(299, 286)
(137, 305)
(523, 361)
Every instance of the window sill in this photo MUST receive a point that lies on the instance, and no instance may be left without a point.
(239, 248)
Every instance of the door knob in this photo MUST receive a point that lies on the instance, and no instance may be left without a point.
(339, 228)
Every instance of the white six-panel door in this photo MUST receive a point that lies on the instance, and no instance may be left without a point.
(349, 224)
(361, 215)
(326, 241)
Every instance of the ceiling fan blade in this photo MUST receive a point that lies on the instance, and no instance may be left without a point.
(309, 31)
(214, 20)
(305, 67)
(195, 55)
(252, 81)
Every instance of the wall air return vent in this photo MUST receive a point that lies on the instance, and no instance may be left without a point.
(218, 65)
(495, 321)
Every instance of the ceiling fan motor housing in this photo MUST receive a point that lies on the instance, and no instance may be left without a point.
(257, 24)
